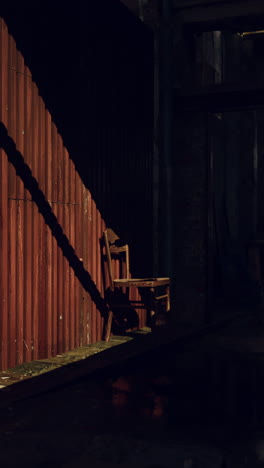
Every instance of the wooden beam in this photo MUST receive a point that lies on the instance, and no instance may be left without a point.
(219, 98)
(186, 4)
(196, 12)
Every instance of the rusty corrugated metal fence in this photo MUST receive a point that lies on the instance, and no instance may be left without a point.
(51, 301)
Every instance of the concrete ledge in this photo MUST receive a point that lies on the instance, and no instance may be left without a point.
(37, 377)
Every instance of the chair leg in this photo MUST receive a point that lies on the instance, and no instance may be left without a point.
(168, 298)
(108, 325)
(153, 311)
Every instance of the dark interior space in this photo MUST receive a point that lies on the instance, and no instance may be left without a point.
(195, 400)
(218, 144)
(230, 55)
(236, 211)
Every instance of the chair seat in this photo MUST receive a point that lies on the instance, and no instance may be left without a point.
(141, 282)
(153, 301)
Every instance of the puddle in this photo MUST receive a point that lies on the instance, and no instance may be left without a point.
(208, 397)
(194, 387)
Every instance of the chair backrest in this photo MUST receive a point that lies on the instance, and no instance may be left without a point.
(120, 251)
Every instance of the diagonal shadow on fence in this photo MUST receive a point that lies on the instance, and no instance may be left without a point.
(31, 184)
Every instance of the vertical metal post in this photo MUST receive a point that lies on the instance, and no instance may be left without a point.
(156, 154)
(255, 175)
(166, 117)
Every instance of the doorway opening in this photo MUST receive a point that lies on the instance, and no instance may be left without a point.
(236, 215)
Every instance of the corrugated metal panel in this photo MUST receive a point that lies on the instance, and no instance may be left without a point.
(4, 199)
(51, 279)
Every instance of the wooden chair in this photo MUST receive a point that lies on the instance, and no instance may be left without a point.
(121, 252)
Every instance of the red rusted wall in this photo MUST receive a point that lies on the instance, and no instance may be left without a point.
(50, 300)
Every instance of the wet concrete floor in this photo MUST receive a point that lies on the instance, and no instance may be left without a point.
(194, 405)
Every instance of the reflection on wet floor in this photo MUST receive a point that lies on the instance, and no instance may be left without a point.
(199, 387)
(205, 395)
(198, 408)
